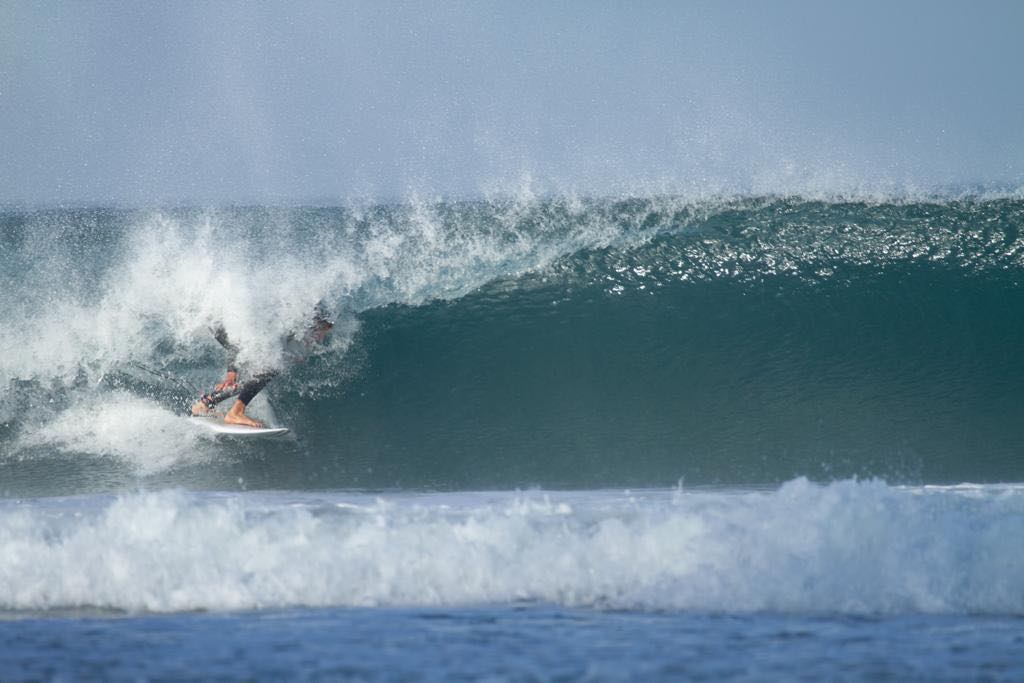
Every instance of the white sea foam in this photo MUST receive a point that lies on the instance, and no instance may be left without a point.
(169, 281)
(847, 547)
(116, 424)
(165, 279)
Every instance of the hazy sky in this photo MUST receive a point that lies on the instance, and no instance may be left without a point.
(150, 103)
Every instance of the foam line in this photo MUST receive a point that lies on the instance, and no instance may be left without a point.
(848, 547)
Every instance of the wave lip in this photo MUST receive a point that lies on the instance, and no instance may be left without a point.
(848, 547)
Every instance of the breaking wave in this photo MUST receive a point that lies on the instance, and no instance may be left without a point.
(563, 342)
(847, 548)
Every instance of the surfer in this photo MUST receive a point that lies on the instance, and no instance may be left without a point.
(295, 349)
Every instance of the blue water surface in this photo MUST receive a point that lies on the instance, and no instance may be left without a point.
(511, 643)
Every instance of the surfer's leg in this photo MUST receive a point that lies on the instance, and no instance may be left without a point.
(247, 392)
(255, 385)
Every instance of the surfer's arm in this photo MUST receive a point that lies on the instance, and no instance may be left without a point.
(229, 381)
(221, 335)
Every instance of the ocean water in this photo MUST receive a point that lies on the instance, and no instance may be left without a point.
(633, 438)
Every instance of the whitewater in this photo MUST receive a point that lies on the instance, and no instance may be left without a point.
(775, 425)
(844, 548)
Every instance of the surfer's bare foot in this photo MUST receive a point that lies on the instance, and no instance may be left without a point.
(237, 416)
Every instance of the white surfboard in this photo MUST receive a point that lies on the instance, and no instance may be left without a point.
(216, 425)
